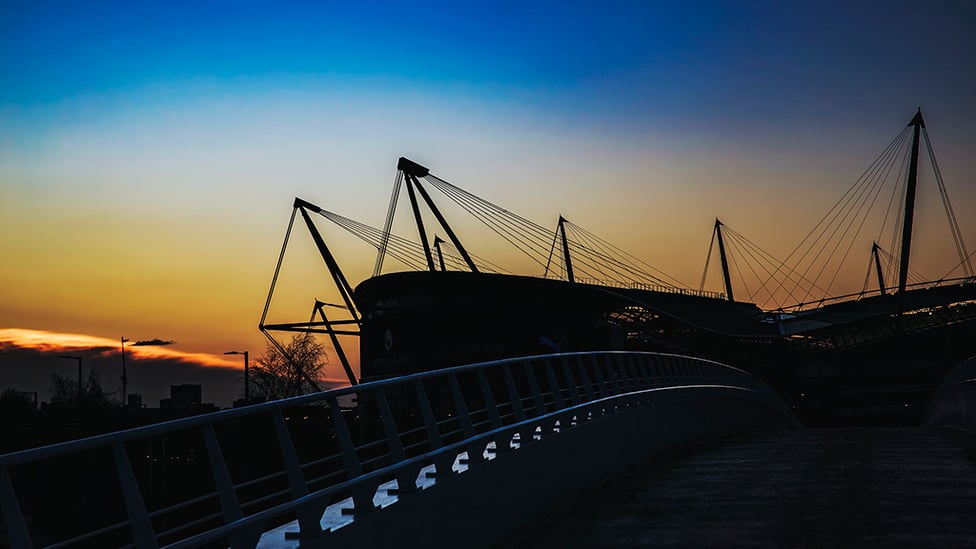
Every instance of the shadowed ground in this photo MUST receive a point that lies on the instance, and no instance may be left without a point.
(819, 487)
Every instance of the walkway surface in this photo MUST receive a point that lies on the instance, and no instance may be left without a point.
(817, 488)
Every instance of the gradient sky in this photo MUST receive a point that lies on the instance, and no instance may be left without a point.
(149, 154)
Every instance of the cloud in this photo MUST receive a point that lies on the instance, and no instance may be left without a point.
(89, 345)
(156, 341)
(29, 357)
(30, 370)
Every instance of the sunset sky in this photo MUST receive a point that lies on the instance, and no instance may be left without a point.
(150, 152)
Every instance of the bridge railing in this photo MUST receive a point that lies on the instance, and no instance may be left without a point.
(954, 402)
(227, 477)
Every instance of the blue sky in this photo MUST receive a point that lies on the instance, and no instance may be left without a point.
(618, 63)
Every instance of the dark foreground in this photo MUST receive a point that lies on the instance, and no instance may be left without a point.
(812, 487)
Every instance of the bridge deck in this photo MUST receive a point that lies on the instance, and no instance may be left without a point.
(824, 487)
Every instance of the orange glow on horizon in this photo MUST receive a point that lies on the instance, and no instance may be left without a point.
(56, 342)
(45, 341)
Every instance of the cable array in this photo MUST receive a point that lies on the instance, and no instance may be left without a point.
(810, 271)
(593, 258)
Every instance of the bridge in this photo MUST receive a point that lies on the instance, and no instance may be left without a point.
(488, 454)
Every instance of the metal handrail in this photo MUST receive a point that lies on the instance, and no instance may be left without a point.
(819, 303)
(661, 288)
(365, 446)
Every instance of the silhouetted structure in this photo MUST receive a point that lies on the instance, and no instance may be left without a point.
(873, 356)
(185, 396)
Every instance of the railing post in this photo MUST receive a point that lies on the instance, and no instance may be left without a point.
(612, 374)
(655, 370)
(637, 380)
(573, 389)
(538, 402)
(13, 517)
(557, 392)
(493, 416)
(309, 516)
(406, 478)
(626, 377)
(513, 394)
(443, 463)
(585, 379)
(135, 506)
(603, 388)
(525, 433)
(362, 495)
(645, 372)
(230, 506)
(460, 406)
(475, 455)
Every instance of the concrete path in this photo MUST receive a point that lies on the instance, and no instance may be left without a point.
(805, 488)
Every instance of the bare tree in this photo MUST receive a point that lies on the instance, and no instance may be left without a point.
(277, 374)
(64, 392)
(16, 403)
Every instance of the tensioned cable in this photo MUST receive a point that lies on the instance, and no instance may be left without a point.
(898, 206)
(505, 226)
(277, 271)
(970, 256)
(890, 260)
(441, 184)
(772, 260)
(832, 215)
(846, 214)
(843, 220)
(540, 236)
(499, 223)
(675, 283)
(401, 249)
(879, 186)
(500, 228)
(761, 257)
(741, 247)
(736, 250)
(625, 272)
(585, 247)
(599, 254)
(374, 236)
(708, 258)
(592, 254)
(947, 204)
(552, 249)
(867, 276)
(894, 144)
(488, 265)
(388, 226)
(735, 264)
(584, 257)
(538, 233)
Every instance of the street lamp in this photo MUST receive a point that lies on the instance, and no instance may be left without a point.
(78, 358)
(247, 395)
(124, 378)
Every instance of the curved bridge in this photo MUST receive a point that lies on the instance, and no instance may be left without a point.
(469, 453)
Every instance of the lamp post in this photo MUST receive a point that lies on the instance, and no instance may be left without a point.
(78, 358)
(124, 378)
(247, 395)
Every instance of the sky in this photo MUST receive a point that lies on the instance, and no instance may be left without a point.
(150, 153)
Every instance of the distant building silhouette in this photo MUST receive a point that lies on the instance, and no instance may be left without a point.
(185, 396)
(135, 401)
